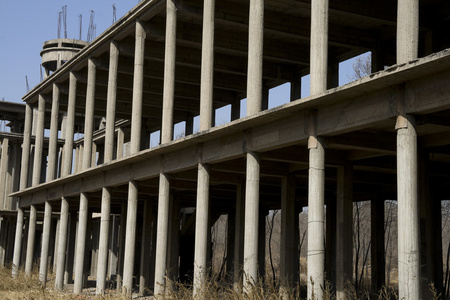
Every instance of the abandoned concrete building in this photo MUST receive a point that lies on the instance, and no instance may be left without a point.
(86, 144)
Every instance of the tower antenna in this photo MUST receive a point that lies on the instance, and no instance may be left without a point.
(80, 18)
(59, 25)
(91, 28)
(27, 85)
(64, 13)
(114, 13)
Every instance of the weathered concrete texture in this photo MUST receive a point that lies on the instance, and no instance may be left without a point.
(251, 221)
(177, 64)
(162, 234)
(102, 266)
(81, 244)
(201, 230)
(207, 71)
(169, 72)
(43, 267)
(62, 242)
(130, 237)
(316, 218)
(408, 220)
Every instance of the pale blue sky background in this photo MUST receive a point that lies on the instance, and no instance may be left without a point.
(26, 24)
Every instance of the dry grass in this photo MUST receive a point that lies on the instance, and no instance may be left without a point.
(29, 288)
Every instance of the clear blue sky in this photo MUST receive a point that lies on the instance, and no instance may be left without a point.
(26, 24)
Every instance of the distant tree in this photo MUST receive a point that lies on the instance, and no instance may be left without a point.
(362, 67)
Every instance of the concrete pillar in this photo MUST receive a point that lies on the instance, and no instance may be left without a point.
(138, 84)
(146, 248)
(45, 243)
(68, 272)
(130, 237)
(289, 240)
(296, 87)
(316, 190)
(201, 230)
(263, 212)
(377, 262)
(55, 248)
(122, 231)
(173, 244)
(62, 243)
(169, 72)
(3, 173)
(251, 221)
(161, 237)
(30, 243)
(17, 243)
(88, 247)
(344, 230)
(120, 142)
(89, 115)
(407, 30)
(207, 67)
(15, 173)
(81, 244)
(239, 237)
(231, 229)
(111, 102)
(102, 265)
(189, 128)
(408, 221)
(10, 242)
(255, 57)
(70, 124)
(39, 142)
(26, 147)
(53, 139)
(235, 110)
(330, 241)
(319, 46)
